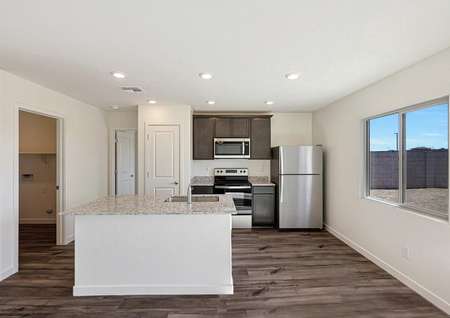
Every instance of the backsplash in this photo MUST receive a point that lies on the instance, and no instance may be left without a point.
(206, 167)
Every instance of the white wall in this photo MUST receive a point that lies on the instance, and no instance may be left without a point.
(255, 167)
(376, 229)
(38, 134)
(37, 194)
(85, 154)
(165, 115)
(286, 129)
(122, 119)
(291, 129)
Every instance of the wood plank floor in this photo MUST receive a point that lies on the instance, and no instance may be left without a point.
(288, 274)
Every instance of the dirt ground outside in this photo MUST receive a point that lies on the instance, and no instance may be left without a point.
(435, 199)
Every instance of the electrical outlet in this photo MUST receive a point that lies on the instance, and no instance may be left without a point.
(405, 253)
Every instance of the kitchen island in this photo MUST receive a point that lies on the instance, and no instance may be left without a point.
(135, 245)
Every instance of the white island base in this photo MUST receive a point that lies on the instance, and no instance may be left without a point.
(153, 254)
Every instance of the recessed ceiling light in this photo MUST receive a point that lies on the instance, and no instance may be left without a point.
(151, 101)
(115, 107)
(211, 102)
(205, 76)
(292, 76)
(118, 75)
(269, 102)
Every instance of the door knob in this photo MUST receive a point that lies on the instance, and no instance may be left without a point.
(131, 175)
(175, 183)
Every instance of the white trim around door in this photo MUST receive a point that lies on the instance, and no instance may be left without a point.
(61, 238)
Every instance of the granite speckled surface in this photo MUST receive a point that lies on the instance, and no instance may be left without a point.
(145, 205)
(260, 181)
(202, 181)
(209, 181)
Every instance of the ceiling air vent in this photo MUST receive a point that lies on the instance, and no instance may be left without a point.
(131, 89)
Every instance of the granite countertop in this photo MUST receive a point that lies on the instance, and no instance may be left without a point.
(145, 205)
(260, 181)
(202, 181)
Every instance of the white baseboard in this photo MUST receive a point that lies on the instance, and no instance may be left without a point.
(37, 221)
(241, 221)
(68, 239)
(405, 279)
(121, 290)
(6, 273)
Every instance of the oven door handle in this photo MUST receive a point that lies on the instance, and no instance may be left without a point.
(233, 187)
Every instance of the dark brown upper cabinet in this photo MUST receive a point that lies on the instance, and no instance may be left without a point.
(208, 127)
(260, 138)
(203, 138)
(232, 127)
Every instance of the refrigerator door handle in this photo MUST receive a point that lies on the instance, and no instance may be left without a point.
(281, 177)
(281, 190)
(281, 161)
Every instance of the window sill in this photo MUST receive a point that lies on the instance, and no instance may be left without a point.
(434, 216)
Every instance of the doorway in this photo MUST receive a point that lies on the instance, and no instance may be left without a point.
(38, 186)
(124, 162)
(162, 160)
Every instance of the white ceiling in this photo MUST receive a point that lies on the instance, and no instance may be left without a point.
(248, 45)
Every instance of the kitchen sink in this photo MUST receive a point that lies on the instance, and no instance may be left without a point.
(195, 198)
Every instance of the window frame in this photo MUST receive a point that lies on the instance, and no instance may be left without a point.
(401, 203)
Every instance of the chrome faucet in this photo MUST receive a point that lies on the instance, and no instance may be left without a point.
(189, 194)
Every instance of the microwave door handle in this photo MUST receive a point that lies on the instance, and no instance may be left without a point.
(243, 148)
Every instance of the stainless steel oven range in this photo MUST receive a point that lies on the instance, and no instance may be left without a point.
(234, 181)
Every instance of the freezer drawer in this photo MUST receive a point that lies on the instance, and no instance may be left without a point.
(300, 202)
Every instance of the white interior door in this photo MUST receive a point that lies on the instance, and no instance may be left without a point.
(162, 152)
(125, 162)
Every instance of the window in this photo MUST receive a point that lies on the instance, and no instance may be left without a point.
(384, 157)
(407, 158)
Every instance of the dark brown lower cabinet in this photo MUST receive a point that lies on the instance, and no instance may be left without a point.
(202, 189)
(263, 206)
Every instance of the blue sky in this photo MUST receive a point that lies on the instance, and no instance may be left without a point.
(424, 128)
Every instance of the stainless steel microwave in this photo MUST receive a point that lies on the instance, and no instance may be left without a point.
(231, 148)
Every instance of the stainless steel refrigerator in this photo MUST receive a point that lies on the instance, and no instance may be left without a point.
(297, 173)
